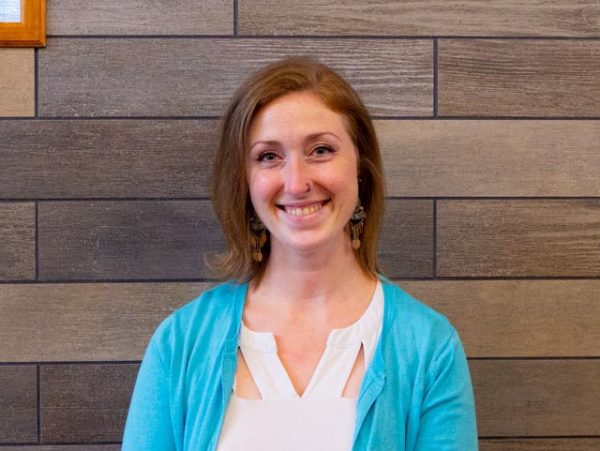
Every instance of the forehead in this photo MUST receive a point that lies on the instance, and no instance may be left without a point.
(297, 113)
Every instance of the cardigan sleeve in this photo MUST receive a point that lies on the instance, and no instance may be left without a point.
(149, 426)
(447, 420)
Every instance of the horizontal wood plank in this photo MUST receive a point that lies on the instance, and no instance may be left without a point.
(17, 235)
(85, 403)
(133, 158)
(123, 240)
(445, 158)
(560, 444)
(518, 318)
(138, 158)
(513, 397)
(406, 244)
(519, 78)
(190, 77)
(18, 403)
(422, 18)
(537, 397)
(109, 240)
(17, 84)
(85, 322)
(140, 17)
(521, 238)
(106, 158)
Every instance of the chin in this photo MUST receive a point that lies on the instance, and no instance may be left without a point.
(311, 244)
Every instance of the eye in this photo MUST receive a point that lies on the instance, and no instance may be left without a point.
(322, 150)
(267, 157)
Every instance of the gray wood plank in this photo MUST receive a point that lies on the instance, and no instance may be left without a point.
(490, 158)
(116, 240)
(406, 244)
(527, 398)
(560, 444)
(17, 235)
(106, 158)
(18, 403)
(111, 240)
(542, 238)
(518, 318)
(140, 17)
(422, 18)
(85, 322)
(514, 398)
(85, 403)
(519, 78)
(183, 77)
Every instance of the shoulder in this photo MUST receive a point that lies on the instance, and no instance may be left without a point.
(412, 323)
(409, 311)
(222, 300)
(195, 323)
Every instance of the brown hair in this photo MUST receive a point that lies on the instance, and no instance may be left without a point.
(230, 197)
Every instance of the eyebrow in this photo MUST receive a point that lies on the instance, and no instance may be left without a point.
(309, 138)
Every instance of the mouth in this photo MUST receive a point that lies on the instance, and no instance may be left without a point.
(302, 210)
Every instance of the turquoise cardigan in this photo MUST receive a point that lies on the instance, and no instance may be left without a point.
(416, 393)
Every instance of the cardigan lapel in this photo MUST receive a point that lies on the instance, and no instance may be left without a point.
(229, 360)
(230, 347)
(374, 379)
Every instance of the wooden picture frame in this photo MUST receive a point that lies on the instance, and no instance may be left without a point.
(31, 31)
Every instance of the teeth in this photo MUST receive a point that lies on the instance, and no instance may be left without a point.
(303, 211)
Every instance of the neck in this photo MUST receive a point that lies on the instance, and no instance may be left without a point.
(313, 278)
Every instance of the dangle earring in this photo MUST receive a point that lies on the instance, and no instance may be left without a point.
(357, 223)
(259, 232)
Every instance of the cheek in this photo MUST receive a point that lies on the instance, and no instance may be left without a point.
(346, 179)
(261, 187)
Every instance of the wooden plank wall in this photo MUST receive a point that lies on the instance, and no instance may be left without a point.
(487, 112)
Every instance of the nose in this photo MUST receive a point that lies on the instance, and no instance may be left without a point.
(297, 177)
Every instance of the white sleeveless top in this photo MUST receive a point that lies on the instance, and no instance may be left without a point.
(320, 419)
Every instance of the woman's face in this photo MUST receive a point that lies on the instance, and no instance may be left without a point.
(302, 171)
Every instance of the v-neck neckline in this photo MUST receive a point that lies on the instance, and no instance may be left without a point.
(352, 336)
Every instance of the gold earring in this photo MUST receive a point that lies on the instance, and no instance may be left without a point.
(357, 223)
(259, 236)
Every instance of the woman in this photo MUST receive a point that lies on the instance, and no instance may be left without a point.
(309, 348)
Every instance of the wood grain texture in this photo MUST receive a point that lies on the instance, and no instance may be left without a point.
(518, 318)
(183, 77)
(85, 322)
(85, 403)
(536, 397)
(140, 17)
(18, 403)
(111, 240)
(116, 240)
(106, 158)
(560, 444)
(490, 158)
(543, 238)
(17, 235)
(17, 85)
(519, 78)
(420, 18)
(406, 244)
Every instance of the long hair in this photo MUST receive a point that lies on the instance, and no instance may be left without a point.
(229, 191)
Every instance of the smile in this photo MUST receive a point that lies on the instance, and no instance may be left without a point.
(303, 211)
